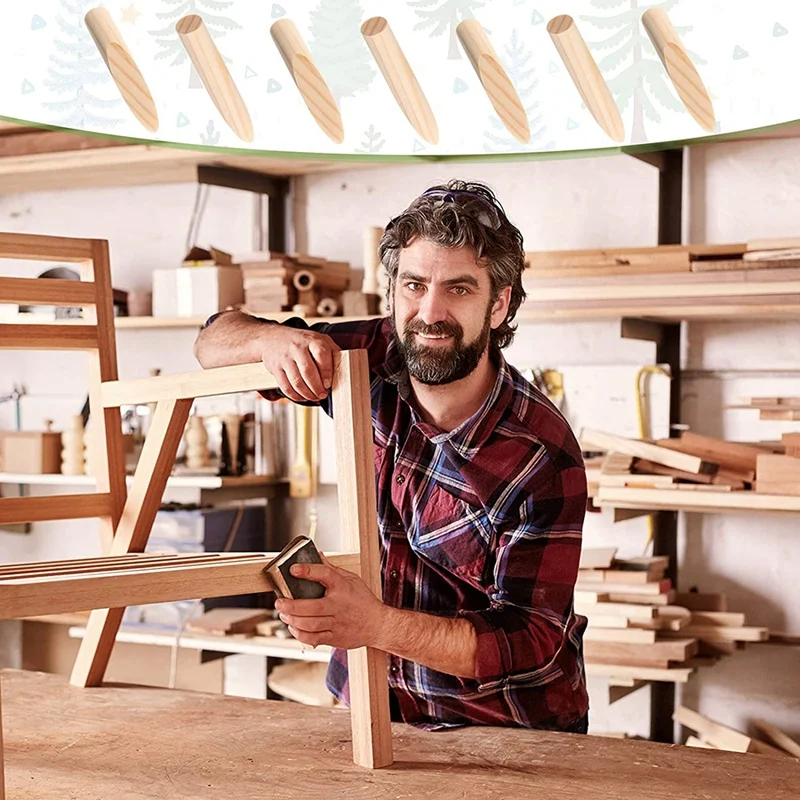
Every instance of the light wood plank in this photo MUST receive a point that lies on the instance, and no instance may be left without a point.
(122, 66)
(597, 557)
(214, 74)
(46, 292)
(789, 243)
(188, 385)
(44, 248)
(402, 81)
(693, 741)
(778, 737)
(669, 675)
(633, 447)
(718, 735)
(680, 67)
(48, 337)
(152, 471)
(586, 75)
(619, 635)
(720, 618)
(309, 80)
(358, 521)
(669, 499)
(498, 86)
(64, 593)
(14, 510)
(107, 449)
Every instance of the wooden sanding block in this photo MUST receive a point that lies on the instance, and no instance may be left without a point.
(300, 550)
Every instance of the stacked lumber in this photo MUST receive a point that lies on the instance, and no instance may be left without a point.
(780, 474)
(640, 629)
(715, 736)
(774, 409)
(663, 277)
(275, 282)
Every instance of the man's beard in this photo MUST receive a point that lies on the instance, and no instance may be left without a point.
(435, 366)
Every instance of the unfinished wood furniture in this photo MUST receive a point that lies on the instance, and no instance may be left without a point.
(586, 75)
(402, 81)
(309, 80)
(494, 79)
(214, 74)
(230, 747)
(124, 575)
(122, 66)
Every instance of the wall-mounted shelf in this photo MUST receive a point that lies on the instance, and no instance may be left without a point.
(174, 482)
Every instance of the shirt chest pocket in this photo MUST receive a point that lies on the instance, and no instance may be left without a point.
(453, 535)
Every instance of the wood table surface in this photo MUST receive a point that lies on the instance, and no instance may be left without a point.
(126, 743)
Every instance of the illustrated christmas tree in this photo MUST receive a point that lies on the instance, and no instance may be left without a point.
(74, 69)
(636, 71)
(444, 15)
(169, 41)
(338, 47)
(515, 59)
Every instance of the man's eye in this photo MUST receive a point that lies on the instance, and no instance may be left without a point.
(413, 286)
(460, 290)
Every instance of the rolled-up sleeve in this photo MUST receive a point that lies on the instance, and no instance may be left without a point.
(536, 564)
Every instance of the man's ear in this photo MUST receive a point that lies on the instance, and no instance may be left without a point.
(500, 307)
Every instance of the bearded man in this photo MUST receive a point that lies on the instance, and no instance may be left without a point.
(481, 486)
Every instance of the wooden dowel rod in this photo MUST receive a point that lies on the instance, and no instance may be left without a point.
(122, 66)
(402, 81)
(680, 68)
(312, 86)
(215, 75)
(494, 78)
(586, 75)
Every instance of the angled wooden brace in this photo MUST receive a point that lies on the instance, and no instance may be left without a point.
(215, 75)
(401, 78)
(586, 75)
(126, 74)
(494, 78)
(680, 68)
(312, 86)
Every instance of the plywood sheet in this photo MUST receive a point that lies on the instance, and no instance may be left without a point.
(121, 742)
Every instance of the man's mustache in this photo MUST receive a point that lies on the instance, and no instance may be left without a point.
(442, 328)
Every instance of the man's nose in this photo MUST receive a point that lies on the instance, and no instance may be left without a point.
(432, 308)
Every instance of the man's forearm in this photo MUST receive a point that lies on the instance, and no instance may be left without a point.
(233, 338)
(441, 643)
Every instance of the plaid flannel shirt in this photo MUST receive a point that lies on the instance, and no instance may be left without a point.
(484, 523)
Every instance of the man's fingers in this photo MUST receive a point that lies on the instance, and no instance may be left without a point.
(308, 624)
(310, 371)
(322, 352)
(311, 639)
(285, 385)
(303, 608)
(298, 383)
(320, 573)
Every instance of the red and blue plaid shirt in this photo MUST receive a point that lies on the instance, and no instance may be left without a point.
(483, 522)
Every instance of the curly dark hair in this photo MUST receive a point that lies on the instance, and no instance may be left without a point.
(463, 214)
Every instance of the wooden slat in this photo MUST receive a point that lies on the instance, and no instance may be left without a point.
(355, 466)
(48, 337)
(669, 499)
(14, 510)
(44, 248)
(778, 737)
(639, 449)
(115, 590)
(149, 481)
(597, 557)
(46, 292)
(188, 385)
(630, 653)
(619, 635)
(670, 675)
(108, 450)
(719, 735)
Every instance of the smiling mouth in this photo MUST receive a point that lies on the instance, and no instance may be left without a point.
(433, 338)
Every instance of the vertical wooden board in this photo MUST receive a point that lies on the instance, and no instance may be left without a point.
(108, 450)
(355, 466)
(2, 753)
(149, 482)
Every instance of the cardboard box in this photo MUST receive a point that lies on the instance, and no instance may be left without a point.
(196, 291)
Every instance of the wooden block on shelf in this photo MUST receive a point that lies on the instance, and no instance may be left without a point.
(597, 557)
(632, 611)
(779, 414)
(785, 243)
(665, 599)
(648, 589)
(718, 618)
(668, 675)
(228, 621)
(702, 601)
(677, 650)
(619, 635)
(731, 456)
(723, 633)
(30, 452)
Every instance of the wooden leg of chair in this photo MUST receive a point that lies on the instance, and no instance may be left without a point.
(369, 686)
(152, 471)
(2, 753)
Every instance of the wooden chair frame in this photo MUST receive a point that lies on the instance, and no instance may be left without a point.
(125, 575)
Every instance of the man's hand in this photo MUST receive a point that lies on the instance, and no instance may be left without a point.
(348, 617)
(301, 361)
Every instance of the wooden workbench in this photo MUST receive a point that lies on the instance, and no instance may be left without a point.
(130, 742)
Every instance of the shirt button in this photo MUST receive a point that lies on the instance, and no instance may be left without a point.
(394, 574)
(395, 669)
(400, 479)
